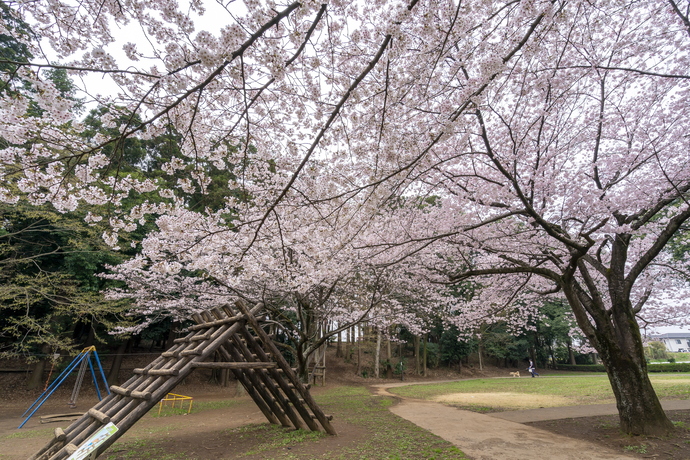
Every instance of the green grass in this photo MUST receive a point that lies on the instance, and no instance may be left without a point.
(181, 409)
(272, 437)
(389, 436)
(380, 435)
(28, 434)
(581, 389)
(143, 449)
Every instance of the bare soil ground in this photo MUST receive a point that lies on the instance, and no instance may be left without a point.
(605, 431)
(233, 430)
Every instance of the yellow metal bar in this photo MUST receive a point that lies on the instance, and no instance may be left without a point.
(173, 398)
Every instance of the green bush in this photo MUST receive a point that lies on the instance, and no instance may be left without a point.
(655, 367)
(670, 367)
(581, 367)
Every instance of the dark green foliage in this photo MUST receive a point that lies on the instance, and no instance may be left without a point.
(500, 344)
(49, 291)
(12, 50)
(453, 349)
(670, 367)
(581, 367)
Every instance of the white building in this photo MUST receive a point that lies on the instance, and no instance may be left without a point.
(674, 341)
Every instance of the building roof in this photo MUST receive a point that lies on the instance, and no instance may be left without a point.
(673, 335)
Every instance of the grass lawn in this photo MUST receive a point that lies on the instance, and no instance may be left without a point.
(367, 430)
(564, 390)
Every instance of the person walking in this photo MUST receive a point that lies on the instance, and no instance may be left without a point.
(532, 370)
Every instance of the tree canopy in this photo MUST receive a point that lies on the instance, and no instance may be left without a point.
(532, 148)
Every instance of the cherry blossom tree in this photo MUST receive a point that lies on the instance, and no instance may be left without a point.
(552, 133)
(572, 170)
(311, 275)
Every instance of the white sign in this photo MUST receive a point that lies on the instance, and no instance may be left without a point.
(93, 442)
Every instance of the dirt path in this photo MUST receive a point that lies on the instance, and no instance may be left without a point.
(483, 437)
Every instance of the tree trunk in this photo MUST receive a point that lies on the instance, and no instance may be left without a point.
(639, 409)
(614, 333)
(571, 353)
(339, 348)
(302, 364)
(91, 338)
(172, 335)
(426, 339)
(479, 352)
(114, 372)
(36, 378)
(416, 355)
(358, 339)
(377, 356)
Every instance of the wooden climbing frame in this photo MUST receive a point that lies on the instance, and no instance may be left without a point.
(247, 351)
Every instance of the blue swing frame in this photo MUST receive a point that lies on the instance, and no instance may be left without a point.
(85, 354)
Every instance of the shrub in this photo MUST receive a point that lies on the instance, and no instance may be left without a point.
(655, 367)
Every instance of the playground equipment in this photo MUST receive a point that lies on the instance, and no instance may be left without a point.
(247, 351)
(83, 360)
(173, 399)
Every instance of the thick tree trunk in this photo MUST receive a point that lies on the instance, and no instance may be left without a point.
(614, 333)
(114, 373)
(639, 409)
(36, 378)
(302, 364)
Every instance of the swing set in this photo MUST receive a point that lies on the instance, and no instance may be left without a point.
(83, 360)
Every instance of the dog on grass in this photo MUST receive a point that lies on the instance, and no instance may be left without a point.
(515, 374)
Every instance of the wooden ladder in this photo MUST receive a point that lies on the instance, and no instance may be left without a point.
(247, 351)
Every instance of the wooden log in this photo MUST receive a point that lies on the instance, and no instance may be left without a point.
(68, 418)
(194, 338)
(252, 390)
(59, 434)
(269, 392)
(114, 404)
(192, 352)
(257, 394)
(216, 323)
(146, 395)
(170, 354)
(235, 365)
(278, 386)
(98, 415)
(144, 371)
(127, 418)
(283, 364)
(270, 383)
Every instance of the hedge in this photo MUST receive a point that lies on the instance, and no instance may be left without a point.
(656, 367)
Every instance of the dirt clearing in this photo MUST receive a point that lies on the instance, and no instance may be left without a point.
(513, 401)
